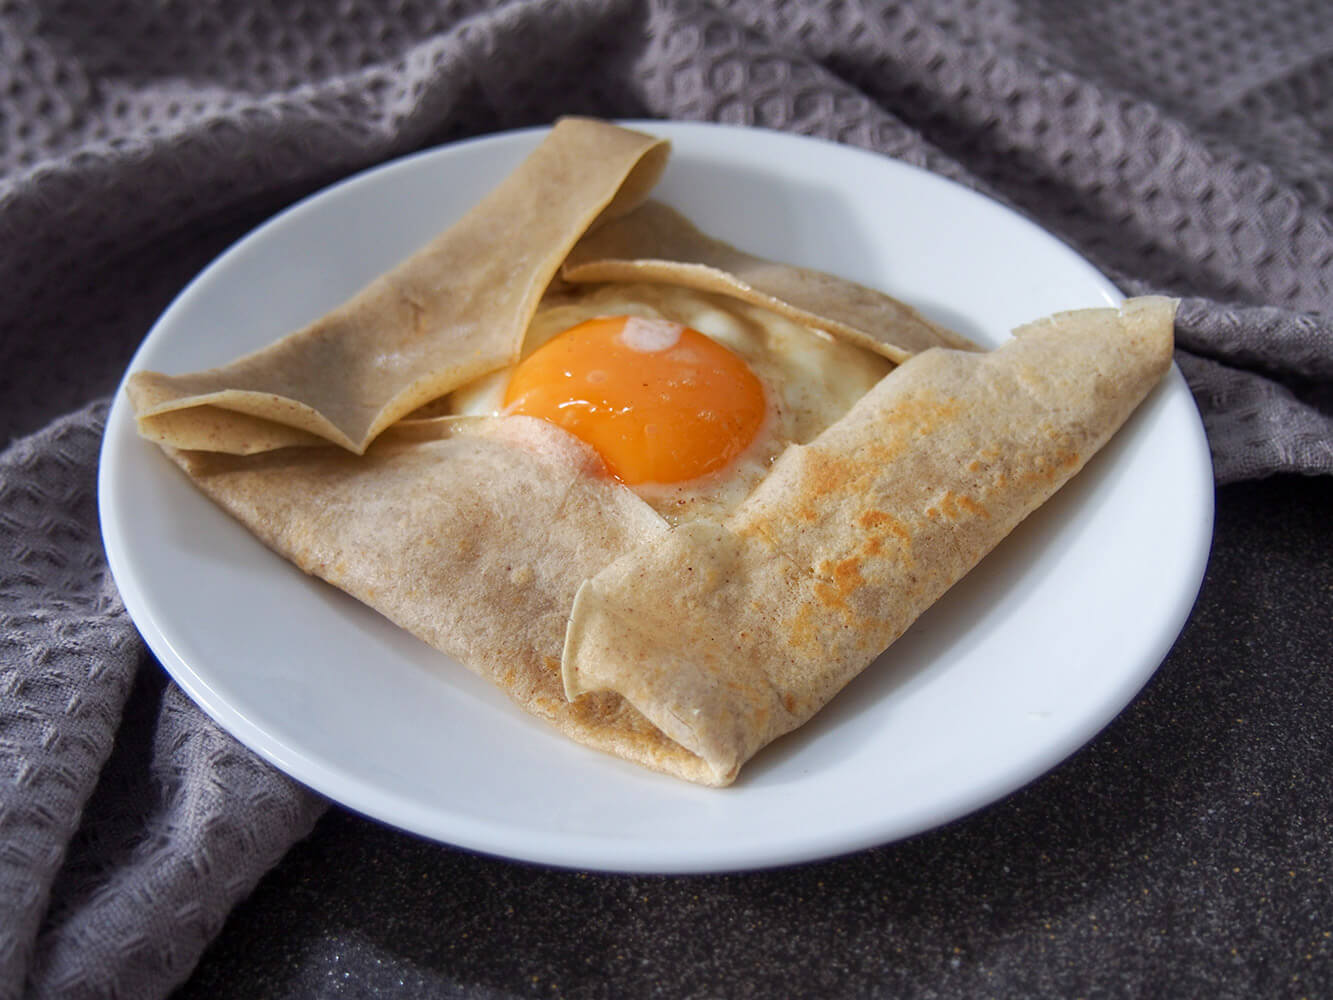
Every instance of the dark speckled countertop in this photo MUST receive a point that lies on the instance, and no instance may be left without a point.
(1186, 852)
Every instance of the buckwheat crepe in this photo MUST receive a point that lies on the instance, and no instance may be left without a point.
(501, 541)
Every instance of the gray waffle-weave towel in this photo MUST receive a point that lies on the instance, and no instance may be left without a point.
(1184, 147)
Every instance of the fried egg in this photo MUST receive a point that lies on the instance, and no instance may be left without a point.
(688, 397)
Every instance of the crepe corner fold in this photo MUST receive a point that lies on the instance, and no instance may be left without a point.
(454, 310)
(851, 537)
(654, 242)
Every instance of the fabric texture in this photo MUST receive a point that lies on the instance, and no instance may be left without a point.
(1183, 147)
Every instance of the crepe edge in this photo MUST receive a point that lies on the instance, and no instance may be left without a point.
(628, 251)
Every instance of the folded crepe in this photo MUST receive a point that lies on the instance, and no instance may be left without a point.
(502, 542)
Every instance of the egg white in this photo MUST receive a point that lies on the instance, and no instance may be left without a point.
(810, 379)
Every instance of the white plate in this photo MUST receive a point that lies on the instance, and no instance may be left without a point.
(1013, 670)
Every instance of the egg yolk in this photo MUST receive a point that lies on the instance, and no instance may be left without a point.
(660, 402)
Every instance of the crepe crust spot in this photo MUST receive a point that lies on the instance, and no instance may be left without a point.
(881, 523)
(954, 506)
(839, 581)
(927, 413)
(971, 506)
(882, 528)
(1058, 466)
(802, 629)
(873, 519)
(848, 573)
(826, 475)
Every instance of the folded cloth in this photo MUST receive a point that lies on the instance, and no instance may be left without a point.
(1182, 147)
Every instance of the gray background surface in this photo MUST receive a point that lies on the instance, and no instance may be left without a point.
(1184, 147)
